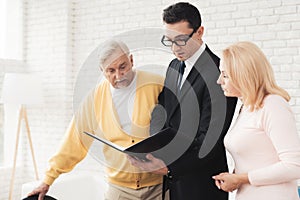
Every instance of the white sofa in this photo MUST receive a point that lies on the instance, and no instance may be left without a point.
(75, 187)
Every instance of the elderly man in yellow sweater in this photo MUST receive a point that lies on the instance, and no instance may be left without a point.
(118, 109)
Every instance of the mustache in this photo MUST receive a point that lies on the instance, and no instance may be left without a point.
(120, 80)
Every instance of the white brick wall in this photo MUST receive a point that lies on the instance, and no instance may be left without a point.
(60, 35)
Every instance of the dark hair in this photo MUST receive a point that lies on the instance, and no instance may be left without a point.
(182, 11)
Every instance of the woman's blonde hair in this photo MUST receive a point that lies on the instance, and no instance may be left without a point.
(251, 73)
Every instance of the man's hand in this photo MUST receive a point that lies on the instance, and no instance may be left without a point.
(154, 165)
(40, 190)
(230, 182)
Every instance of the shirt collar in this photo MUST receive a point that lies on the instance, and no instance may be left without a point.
(190, 62)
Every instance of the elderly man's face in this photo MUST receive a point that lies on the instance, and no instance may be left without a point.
(119, 72)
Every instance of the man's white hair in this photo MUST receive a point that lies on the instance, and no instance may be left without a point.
(110, 50)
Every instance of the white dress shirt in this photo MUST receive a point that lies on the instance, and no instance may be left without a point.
(190, 62)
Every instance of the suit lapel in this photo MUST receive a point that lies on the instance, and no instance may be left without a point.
(173, 75)
(171, 84)
(190, 81)
(192, 77)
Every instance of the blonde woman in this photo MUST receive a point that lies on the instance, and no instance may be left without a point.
(263, 141)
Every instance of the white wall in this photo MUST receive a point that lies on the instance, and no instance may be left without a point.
(60, 35)
(10, 66)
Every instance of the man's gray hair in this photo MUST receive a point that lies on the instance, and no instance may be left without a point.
(112, 49)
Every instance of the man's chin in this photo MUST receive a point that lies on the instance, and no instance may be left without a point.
(181, 57)
(121, 85)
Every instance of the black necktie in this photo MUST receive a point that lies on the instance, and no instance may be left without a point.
(181, 71)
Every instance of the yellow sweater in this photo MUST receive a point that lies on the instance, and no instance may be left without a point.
(98, 116)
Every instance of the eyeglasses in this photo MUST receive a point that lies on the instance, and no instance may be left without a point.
(179, 41)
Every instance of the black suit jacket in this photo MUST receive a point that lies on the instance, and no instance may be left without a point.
(203, 114)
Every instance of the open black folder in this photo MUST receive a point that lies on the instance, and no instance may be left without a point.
(151, 144)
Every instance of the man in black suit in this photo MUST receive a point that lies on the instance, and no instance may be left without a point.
(192, 103)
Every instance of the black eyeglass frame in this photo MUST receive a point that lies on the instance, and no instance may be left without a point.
(175, 41)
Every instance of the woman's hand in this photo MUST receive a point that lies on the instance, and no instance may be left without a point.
(230, 182)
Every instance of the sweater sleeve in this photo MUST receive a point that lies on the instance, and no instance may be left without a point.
(75, 144)
(279, 124)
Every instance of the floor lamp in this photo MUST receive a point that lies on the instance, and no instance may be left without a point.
(22, 90)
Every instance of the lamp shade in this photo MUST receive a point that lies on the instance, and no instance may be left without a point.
(22, 88)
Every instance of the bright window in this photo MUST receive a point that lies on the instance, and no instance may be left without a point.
(11, 29)
(11, 47)
(2, 27)
(1, 135)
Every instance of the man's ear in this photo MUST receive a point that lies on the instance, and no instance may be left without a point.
(131, 59)
(200, 31)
